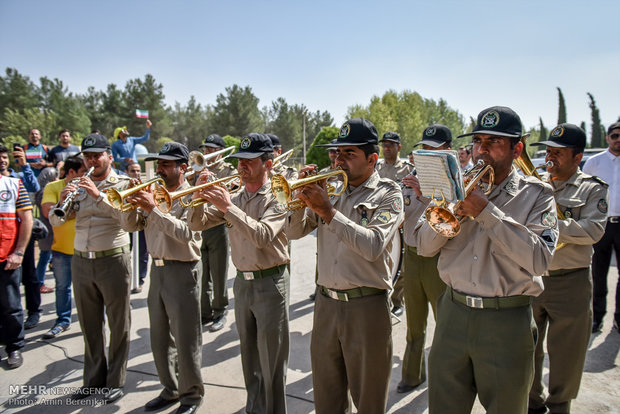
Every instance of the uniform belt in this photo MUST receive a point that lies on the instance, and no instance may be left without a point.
(562, 272)
(102, 253)
(259, 274)
(490, 303)
(614, 219)
(163, 262)
(345, 295)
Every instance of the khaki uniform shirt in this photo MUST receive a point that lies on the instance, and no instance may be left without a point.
(289, 173)
(256, 228)
(414, 209)
(98, 226)
(397, 171)
(583, 200)
(168, 235)
(354, 248)
(223, 170)
(497, 253)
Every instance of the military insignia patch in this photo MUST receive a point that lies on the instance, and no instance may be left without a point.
(112, 179)
(245, 143)
(430, 131)
(280, 208)
(602, 205)
(489, 120)
(558, 131)
(549, 219)
(89, 142)
(510, 186)
(397, 205)
(549, 237)
(407, 199)
(165, 148)
(384, 217)
(345, 130)
(210, 138)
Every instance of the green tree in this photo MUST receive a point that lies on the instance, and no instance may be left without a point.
(318, 155)
(236, 113)
(597, 140)
(190, 123)
(16, 125)
(18, 92)
(583, 125)
(561, 107)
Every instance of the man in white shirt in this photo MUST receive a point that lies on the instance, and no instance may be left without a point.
(606, 165)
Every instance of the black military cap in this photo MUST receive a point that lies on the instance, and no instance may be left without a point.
(253, 145)
(356, 131)
(213, 141)
(275, 141)
(498, 120)
(95, 143)
(435, 135)
(171, 151)
(391, 136)
(565, 136)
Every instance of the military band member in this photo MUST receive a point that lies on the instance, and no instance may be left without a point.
(174, 293)
(101, 271)
(351, 348)
(565, 306)
(214, 250)
(258, 248)
(289, 173)
(423, 286)
(485, 335)
(395, 169)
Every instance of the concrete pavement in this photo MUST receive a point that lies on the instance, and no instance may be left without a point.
(55, 366)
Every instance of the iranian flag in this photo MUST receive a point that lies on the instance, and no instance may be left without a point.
(140, 113)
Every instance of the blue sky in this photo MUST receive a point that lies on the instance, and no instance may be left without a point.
(330, 55)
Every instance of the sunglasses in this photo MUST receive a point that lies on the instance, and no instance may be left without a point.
(614, 136)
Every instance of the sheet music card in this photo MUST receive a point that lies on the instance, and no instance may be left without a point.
(439, 172)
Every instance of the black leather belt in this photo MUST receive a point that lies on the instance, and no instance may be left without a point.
(490, 303)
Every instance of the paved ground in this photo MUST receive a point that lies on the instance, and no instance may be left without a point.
(57, 364)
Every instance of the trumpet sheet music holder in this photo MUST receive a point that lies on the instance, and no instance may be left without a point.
(439, 174)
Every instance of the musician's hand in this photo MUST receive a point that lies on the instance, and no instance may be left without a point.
(143, 199)
(134, 182)
(310, 169)
(473, 204)
(218, 196)
(316, 198)
(412, 182)
(69, 188)
(204, 177)
(89, 186)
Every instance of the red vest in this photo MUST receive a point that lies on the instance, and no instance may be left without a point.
(9, 224)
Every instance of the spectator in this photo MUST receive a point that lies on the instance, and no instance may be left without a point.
(64, 149)
(36, 153)
(124, 148)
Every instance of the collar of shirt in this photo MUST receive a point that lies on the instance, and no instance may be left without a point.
(371, 182)
(508, 186)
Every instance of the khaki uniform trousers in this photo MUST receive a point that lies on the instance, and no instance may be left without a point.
(100, 285)
(422, 286)
(398, 293)
(485, 351)
(351, 350)
(176, 332)
(261, 314)
(214, 253)
(565, 307)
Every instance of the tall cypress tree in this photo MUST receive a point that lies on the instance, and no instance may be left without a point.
(561, 108)
(597, 139)
(543, 131)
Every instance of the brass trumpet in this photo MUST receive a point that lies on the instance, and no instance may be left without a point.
(283, 190)
(443, 219)
(117, 198)
(164, 198)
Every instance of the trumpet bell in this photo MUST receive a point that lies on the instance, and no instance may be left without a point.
(443, 221)
(162, 198)
(283, 190)
(117, 198)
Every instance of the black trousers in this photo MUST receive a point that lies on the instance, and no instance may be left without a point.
(30, 280)
(600, 268)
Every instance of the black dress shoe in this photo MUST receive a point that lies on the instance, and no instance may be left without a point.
(32, 321)
(397, 310)
(158, 403)
(187, 409)
(597, 326)
(83, 392)
(15, 359)
(112, 395)
(403, 387)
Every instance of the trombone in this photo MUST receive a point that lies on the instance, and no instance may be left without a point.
(443, 219)
(164, 198)
(223, 152)
(282, 158)
(283, 190)
(117, 198)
